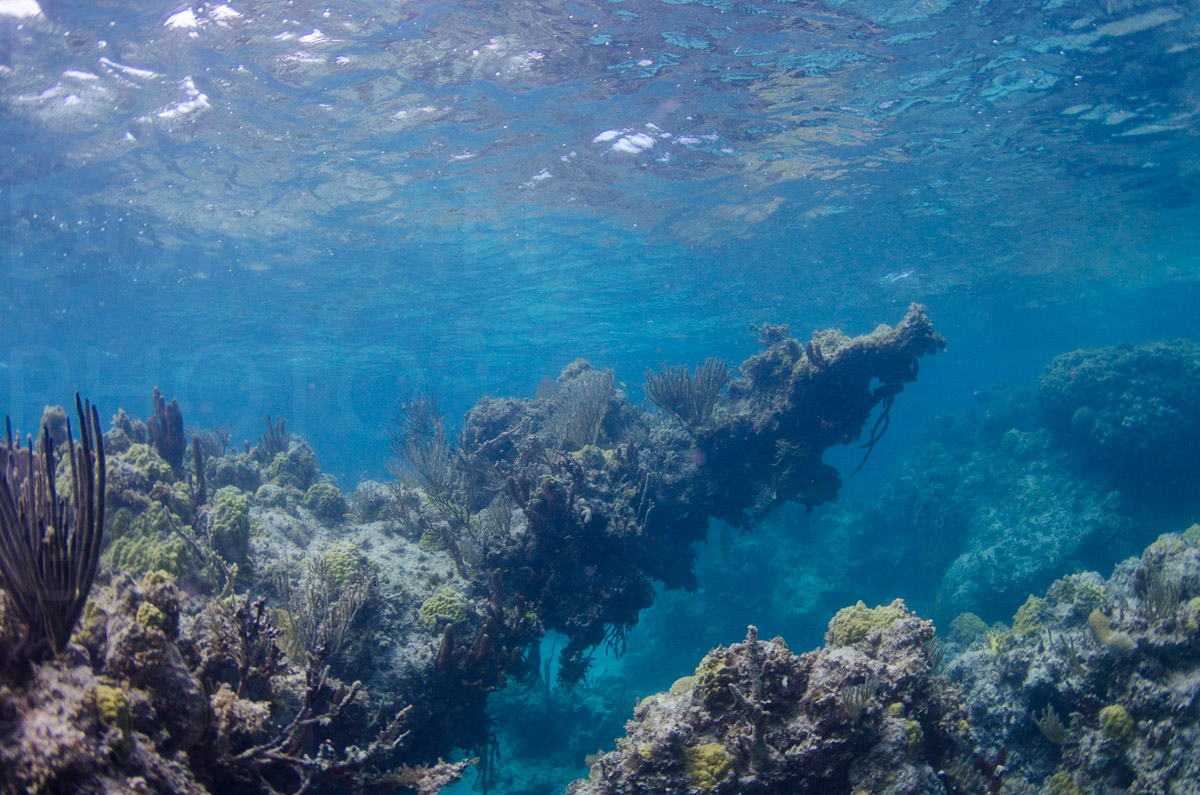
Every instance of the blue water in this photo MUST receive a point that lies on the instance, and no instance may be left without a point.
(310, 210)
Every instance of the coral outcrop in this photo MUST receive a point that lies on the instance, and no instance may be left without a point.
(583, 502)
(868, 716)
(1102, 697)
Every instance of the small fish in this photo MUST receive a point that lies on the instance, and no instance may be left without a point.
(891, 278)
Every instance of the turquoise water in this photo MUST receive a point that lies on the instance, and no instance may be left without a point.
(309, 210)
(302, 208)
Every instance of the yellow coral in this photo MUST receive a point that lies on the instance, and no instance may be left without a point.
(966, 628)
(683, 684)
(153, 579)
(706, 765)
(713, 677)
(112, 707)
(1030, 617)
(149, 461)
(1061, 783)
(230, 530)
(146, 542)
(150, 616)
(445, 606)
(999, 642)
(1101, 628)
(1192, 614)
(431, 541)
(1116, 723)
(344, 563)
(914, 739)
(852, 624)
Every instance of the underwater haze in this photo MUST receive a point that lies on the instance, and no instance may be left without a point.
(304, 208)
(332, 212)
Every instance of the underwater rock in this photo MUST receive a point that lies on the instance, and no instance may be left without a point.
(871, 717)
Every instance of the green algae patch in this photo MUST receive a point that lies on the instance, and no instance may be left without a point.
(852, 624)
(706, 765)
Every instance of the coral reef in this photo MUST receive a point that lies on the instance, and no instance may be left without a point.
(1100, 701)
(871, 716)
(993, 507)
(190, 706)
(1133, 412)
(271, 645)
